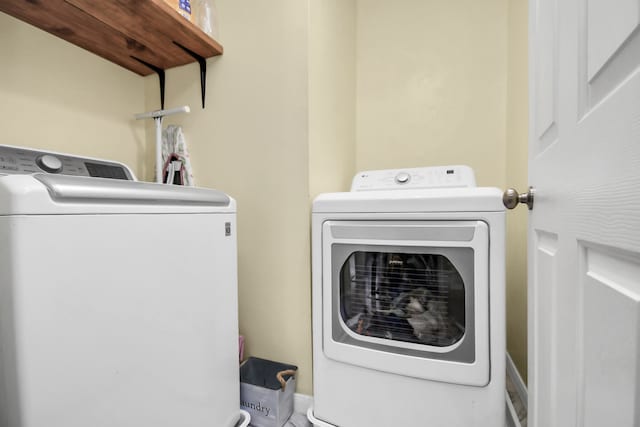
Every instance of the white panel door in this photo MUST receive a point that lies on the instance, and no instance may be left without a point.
(584, 229)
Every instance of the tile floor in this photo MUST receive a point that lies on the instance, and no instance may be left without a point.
(298, 420)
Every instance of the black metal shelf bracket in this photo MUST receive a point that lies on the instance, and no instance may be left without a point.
(203, 69)
(161, 78)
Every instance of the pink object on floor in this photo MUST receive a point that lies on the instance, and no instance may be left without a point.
(241, 347)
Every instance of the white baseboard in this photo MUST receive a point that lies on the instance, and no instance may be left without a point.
(510, 412)
(521, 388)
(302, 402)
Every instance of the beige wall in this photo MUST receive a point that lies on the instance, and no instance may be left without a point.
(431, 85)
(446, 83)
(251, 141)
(56, 96)
(517, 136)
(332, 95)
(306, 93)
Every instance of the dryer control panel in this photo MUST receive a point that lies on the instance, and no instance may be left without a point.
(18, 160)
(414, 178)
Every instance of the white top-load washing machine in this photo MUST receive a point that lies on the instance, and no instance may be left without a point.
(118, 298)
(408, 301)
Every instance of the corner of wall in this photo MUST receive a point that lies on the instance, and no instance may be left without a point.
(516, 174)
(331, 95)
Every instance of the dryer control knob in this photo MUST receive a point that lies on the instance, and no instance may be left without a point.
(49, 163)
(403, 178)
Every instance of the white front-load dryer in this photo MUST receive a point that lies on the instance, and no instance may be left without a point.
(408, 301)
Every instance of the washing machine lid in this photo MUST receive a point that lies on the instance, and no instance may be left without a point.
(470, 199)
(41, 193)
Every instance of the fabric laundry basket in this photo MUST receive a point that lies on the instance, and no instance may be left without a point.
(266, 391)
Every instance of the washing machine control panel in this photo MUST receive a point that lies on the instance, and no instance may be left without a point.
(18, 160)
(414, 178)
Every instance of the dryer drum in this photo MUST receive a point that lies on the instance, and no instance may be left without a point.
(415, 298)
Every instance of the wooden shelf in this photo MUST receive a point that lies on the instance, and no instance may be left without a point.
(119, 30)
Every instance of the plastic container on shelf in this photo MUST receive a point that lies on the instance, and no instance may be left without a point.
(206, 17)
(183, 7)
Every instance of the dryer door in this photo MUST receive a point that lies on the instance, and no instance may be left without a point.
(408, 297)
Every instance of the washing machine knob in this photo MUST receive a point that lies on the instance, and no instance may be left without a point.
(403, 178)
(49, 163)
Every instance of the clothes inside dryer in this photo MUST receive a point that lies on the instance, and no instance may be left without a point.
(409, 297)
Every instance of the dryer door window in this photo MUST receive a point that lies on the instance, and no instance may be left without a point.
(403, 296)
(408, 297)
(412, 300)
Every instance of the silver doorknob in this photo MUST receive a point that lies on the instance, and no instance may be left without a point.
(511, 198)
